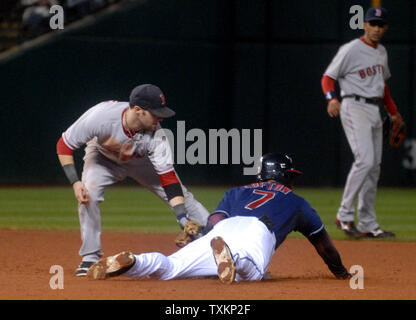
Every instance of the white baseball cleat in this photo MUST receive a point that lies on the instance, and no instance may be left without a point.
(224, 260)
(111, 266)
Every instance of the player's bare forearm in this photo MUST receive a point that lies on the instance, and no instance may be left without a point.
(326, 249)
(177, 200)
(65, 159)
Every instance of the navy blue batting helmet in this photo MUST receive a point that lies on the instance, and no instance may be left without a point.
(277, 166)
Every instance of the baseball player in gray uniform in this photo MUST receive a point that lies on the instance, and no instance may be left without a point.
(124, 139)
(361, 68)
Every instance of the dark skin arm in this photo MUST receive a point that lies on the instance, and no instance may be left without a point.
(326, 249)
(321, 241)
(213, 219)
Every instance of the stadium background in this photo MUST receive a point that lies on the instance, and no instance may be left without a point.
(221, 64)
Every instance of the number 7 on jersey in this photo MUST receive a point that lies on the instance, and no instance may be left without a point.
(265, 197)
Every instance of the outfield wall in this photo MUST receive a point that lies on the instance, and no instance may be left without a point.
(222, 64)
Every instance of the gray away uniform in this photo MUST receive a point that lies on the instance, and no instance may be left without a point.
(361, 70)
(111, 156)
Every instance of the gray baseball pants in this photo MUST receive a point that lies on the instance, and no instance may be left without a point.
(363, 128)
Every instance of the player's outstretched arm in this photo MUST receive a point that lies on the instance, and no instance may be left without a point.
(326, 249)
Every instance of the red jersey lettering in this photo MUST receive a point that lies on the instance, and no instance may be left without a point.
(265, 197)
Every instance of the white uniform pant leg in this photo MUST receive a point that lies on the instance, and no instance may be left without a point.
(367, 197)
(359, 133)
(98, 172)
(194, 260)
(142, 170)
(250, 242)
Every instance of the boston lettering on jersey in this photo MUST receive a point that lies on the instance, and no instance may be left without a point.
(371, 71)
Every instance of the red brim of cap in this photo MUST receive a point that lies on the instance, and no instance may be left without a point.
(295, 171)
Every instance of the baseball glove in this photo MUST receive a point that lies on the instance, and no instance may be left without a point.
(192, 230)
(394, 131)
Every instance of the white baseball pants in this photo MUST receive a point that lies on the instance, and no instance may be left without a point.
(100, 172)
(251, 244)
(364, 131)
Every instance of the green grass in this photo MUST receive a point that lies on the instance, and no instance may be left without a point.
(135, 209)
(396, 209)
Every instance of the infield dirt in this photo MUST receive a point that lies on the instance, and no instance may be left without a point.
(297, 272)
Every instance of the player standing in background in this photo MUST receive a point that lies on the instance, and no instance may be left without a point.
(124, 139)
(361, 68)
(242, 234)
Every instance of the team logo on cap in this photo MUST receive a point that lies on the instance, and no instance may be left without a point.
(378, 12)
(163, 99)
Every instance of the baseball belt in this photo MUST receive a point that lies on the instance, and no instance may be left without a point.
(375, 101)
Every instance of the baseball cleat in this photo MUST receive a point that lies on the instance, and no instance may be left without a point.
(349, 228)
(224, 260)
(111, 266)
(378, 233)
(83, 268)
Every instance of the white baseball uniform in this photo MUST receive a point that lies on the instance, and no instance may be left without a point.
(111, 155)
(251, 249)
(256, 219)
(361, 71)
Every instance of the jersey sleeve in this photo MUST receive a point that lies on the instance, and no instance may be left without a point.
(388, 101)
(308, 221)
(386, 69)
(225, 204)
(160, 153)
(337, 67)
(82, 130)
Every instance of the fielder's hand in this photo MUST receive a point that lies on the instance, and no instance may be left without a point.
(394, 130)
(192, 230)
(334, 107)
(81, 193)
(398, 131)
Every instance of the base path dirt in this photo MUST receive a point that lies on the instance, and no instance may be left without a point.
(297, 272)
